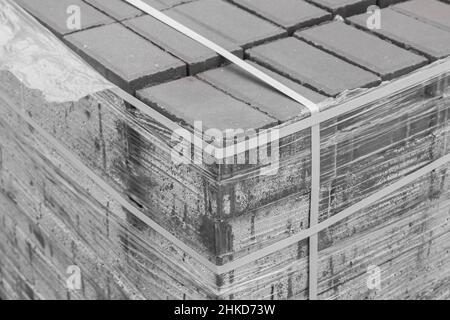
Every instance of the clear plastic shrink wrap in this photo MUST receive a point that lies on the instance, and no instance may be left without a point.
(87, 179)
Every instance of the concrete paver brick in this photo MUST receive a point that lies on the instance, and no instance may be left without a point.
(164, 4)
(198, 57)
(190, 99)
(117, 9)
(363, 49)
(308, 65)
(120, 9)
(124, 57)
(410, 33)
(386, 3)
(345, 8)
(290, 14)
(225, 23)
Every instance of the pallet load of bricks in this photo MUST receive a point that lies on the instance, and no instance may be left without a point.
(95, 175)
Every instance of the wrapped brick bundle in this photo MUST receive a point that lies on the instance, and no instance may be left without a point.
(93, 177)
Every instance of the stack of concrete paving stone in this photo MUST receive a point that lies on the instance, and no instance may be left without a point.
(88, 178)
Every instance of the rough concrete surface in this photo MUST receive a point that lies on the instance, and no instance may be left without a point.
(311, 66)
(197, 57)
(218, 20)
(134, 64)
(190, 100)
(363, 49)
(290, 14)
(433, 12)
(117, 9)
(345, 7)
(386, 3)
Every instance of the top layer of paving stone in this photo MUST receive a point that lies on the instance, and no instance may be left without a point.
(324, 58)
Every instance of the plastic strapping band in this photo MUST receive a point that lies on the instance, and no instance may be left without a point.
(226, 54)
(314, 210)
(313, 108)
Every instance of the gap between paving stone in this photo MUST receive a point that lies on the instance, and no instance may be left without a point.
(294, 59)
(218, 20)
(362, 49)
(288, 14)
(409, 33)
(432, 12)
(190, 99)
(248, 103)
(389, 40)
(135, 64)
(121, 10)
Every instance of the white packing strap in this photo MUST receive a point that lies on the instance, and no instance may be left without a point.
(312, 107)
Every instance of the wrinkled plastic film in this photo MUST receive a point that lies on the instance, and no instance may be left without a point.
(39, 60)
(421, 151)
